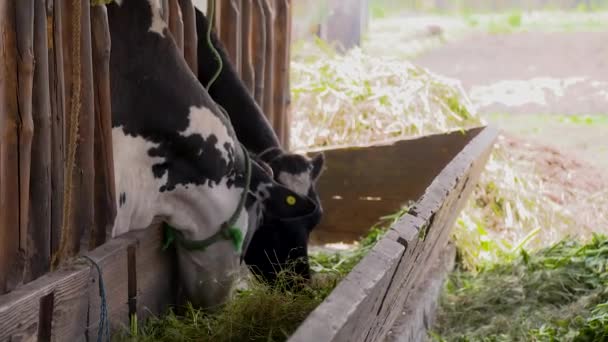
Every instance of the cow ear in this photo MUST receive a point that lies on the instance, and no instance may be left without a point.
(285, 204)
(318, 162)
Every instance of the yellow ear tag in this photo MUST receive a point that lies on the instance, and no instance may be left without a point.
(290, 200)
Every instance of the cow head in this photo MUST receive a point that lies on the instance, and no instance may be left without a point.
(272, 249)
(274, 216)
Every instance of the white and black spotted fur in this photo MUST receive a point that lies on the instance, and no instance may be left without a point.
(177, 157)
(296, 172)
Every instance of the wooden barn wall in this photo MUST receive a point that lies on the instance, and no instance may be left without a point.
(57, 196)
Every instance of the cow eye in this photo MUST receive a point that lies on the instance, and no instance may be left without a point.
(290, 200)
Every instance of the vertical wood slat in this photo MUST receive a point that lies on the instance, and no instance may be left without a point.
(230, 30)
(176, 24)
(105, 197)
(39, 228)
(258, 29)
(190, 35)
(58, 100)
(287, 89)
(247, 74)
(9, 146)
(281, 66)
(270, 60)
(25, 81)
(77, 232)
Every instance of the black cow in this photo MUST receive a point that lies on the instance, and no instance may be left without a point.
(295, 171)
(177, 157)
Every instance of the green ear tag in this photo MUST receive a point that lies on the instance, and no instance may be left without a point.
(290, 200)
(236, 237)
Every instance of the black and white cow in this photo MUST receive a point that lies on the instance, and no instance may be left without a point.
(177, 157)
(296, 172)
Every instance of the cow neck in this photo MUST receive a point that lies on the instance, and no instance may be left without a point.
(228, 230)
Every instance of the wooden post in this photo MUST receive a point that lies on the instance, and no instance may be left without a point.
(39, 228)
(164, 4)
(76, 228)
(287, 86)
(176, 24)
(247, 73)
(258, 29)
(281, 66)
(57, 94)
(25, 78)
(105, 197)
(190, 36)
(230, 30)
(270, 58)
(9, 147)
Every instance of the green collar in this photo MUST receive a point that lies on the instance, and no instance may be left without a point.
(228, 229)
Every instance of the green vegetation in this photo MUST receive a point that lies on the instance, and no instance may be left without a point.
(259, 312)
(556, 294)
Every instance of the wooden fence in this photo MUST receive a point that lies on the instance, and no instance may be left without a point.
(54, 80)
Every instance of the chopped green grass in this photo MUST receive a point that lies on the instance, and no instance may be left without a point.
(260, 312)
(555, 294)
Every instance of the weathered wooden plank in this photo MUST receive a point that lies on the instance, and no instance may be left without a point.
(258, 28)
(156, 272)
(344, 315)
(25, 80)
(268, 102)
(105, 197)
(176, 24)
(354, 189)
(79, 87)
(57, 94)
(287, 86)
(422, 233)
(190, 35)
(39, 227)
(113, 260)
(9, 150)
(230, 30)
(247, 73)
(20, 309)
(418, 315)
(437, 209)
(281, 66)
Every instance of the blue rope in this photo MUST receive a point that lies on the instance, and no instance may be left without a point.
(104, 324)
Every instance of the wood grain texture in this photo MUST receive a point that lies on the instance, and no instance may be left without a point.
(24, 20)
(418, 315)
(39, 225)
(9, 151)
(176, 24)
(281, 66)
(57, 94)
(230, 30)
(258, 29)
(77, 229)
(156, 272)
(344, 315)
(112, 258)
(105, 197)
(247, 72)
(423, 233)
(268, 102)
(190, 35)
(362, 184)
(19, 310)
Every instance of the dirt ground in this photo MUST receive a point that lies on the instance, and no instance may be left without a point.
(530, 84)
(539, 88)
